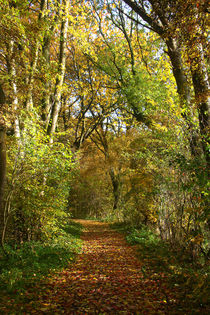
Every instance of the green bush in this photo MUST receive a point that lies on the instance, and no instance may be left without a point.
(143, 236)
(38, 184)
(34, 260)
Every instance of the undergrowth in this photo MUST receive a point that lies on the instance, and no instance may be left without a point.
(32, 261)
(189, 279)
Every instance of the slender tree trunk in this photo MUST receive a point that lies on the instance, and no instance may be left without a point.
(15, 108)
(61, 72)
(46, 104)
(2, 162)
(46, 97)
(29, 98)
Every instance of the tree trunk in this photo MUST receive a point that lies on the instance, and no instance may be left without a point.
(201, 90)
(160, 24)
(12, 72)
(174, 53)
(46, 97)
(45, 102)
(2, 162)
(115, 187)
(183, 89)
(61, 72)
(29, 98)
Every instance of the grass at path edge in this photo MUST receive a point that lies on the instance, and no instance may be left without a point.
(188, 279)
(33, 261)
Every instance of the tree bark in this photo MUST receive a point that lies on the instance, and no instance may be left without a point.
(46, 97)
(183, 89)
(115, 187)
(45, 102)
(12, 72)
(201, 90)
(2, 161)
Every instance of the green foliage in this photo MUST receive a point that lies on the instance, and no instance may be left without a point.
(32, 261)
(38, 175)
(183, 199)
(143, 236)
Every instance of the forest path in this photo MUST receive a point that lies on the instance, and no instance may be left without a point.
(106, 278)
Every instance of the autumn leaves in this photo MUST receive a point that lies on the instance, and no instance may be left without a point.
(106, 279)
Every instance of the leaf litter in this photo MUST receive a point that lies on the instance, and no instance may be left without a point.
(106, 278)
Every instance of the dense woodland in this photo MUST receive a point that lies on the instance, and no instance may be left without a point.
(104, 113)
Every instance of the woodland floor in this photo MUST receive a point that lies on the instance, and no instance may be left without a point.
(106, 278)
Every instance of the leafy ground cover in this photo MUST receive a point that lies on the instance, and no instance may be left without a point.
(106, 278)
(188, 279)
(32, 261)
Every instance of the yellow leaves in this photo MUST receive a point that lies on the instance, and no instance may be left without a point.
(198, 239)
(159, 126)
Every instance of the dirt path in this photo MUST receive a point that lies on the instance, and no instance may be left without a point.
(106, 278)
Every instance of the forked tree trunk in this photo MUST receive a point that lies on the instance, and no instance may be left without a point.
(45, 102)
(61, 72)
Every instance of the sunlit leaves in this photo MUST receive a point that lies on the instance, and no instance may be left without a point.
(38, 172)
